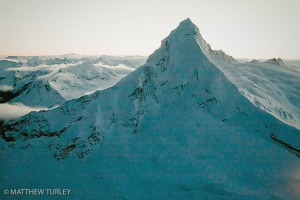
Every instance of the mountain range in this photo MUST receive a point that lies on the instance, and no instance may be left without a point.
(190, 123)
(47, 81)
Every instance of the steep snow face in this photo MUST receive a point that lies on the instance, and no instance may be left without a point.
(175, 128)
(271, 85)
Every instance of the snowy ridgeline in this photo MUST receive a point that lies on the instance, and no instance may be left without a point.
(191, 123)
(271, 85)
(36, 83)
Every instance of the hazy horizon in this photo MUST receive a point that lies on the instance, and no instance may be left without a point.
(247, 29)
(132, 55)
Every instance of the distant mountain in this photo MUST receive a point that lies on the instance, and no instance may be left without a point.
(175, 128)
(50, 81)
(4, 64)
(57, 61)
(271, 85)
(275, 61)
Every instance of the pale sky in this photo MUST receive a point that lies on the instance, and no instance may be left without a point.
(241, 28)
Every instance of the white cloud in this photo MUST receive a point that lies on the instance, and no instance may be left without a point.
(13, 111)
(119, 69)
(6, 88)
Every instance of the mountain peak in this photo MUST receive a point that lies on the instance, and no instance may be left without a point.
(187, 21)
(177, 114)
(185, 27)
(277, 61)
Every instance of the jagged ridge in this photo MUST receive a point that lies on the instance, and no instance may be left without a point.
(177, 115)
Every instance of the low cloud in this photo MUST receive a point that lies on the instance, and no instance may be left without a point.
(6, 88)
(13, 111)
(119, 69)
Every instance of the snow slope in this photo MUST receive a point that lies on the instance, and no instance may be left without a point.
(271, 85)
(175, 128)
(50, 81)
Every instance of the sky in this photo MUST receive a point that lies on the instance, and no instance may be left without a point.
(241, 28)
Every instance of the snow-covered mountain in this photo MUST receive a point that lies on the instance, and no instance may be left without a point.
(50, 81)
(271, 85)
(175, 128)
